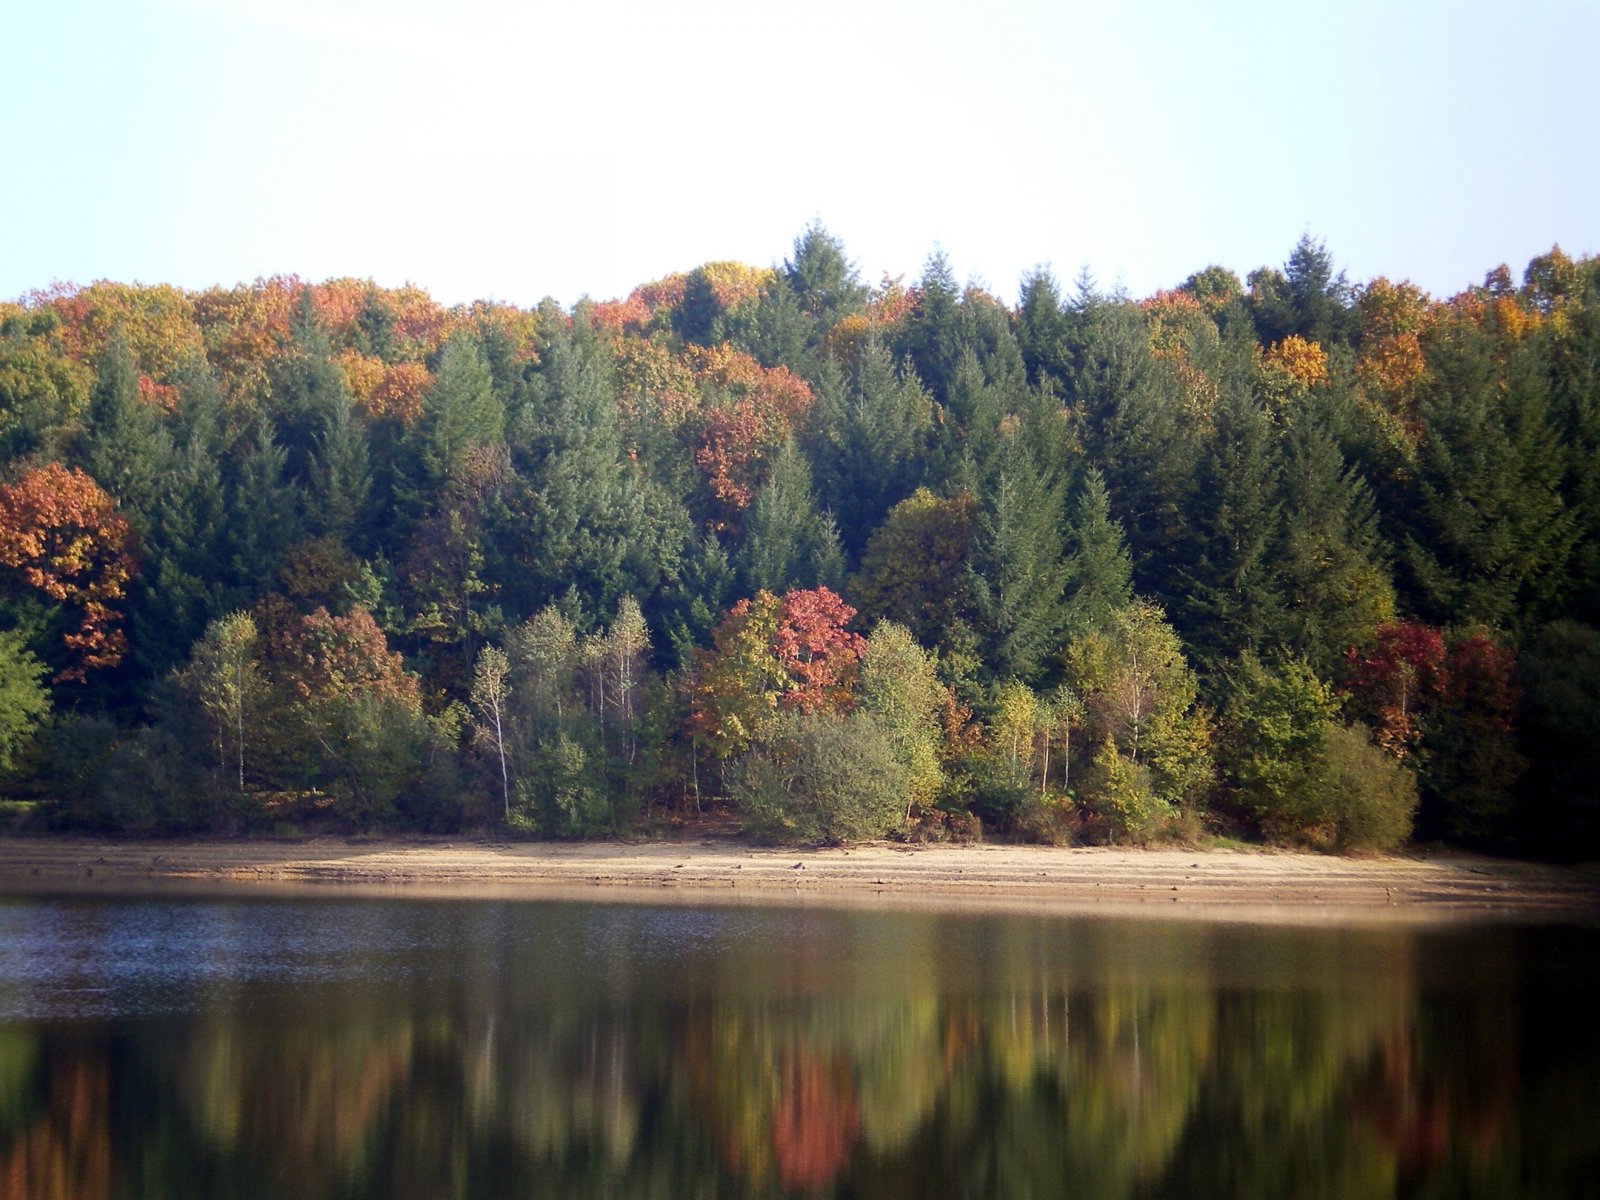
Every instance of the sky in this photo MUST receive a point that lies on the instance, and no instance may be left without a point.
(491, 149)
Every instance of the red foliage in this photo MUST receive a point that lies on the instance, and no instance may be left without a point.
(815, 1121)
(62, 532)
(1397, 680)
(816, 651)
(1480, 680)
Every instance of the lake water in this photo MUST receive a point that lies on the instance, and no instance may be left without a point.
(334, 1047)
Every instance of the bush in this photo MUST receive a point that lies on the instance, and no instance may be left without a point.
(1373, 796)
(1123, 797)
(821, 778)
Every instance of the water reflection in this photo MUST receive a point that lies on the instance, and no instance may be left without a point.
(339, 1048)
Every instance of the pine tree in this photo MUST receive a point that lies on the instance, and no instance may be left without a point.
(1336, 585)
(1231, 600)
(869, 442)
(787, 543)
(460, 411)
(1018, 576)
(1486, 531)
(129, 452)
(1099, 571)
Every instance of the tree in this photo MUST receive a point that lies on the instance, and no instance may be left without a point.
(1485, 527)
(793, 653)
(1099, 571)
(868, 441)
(823, 280)
(1231, 601)
(460, 411)
(128, 448)
(1138, 692)
(1395, 682)
(821, 777)
(914, 569)
(787, 543)
(1017, 573)
(65, 538)
(222, 677)
(1335, 583)
(1273, 742)
(491, 692)
(24, 702)
(898, 686)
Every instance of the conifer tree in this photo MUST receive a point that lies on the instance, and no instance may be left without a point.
(868, 442)
(1018, 576)
(129, 451)
(1099, 571)
(787, 543)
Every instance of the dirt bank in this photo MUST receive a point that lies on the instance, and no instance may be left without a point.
(1239, 883)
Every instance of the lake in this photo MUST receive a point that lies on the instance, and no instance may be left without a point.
(341, 1046)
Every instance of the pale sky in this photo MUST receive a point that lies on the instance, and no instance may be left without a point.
(486, 148)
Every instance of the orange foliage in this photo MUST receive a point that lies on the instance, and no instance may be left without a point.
(246, 327)
(815, 1120)
(337, 305)
(398, 395)
(158, 322)
(1304, 361)
(67, 1150)
(735, 283)
(62, 533)
(333, 658)
(654, 384)
(753, 410)
(517, 328)
(163, 395)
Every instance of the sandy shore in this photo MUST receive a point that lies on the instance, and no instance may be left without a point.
(1238, 883)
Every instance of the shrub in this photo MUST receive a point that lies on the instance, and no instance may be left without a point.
(1372, 794)
(822, 778)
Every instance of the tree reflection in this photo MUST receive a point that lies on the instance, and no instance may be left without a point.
(1021, 1064)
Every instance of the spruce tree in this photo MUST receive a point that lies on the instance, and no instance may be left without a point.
(1017, 575)
(1099, 571)
(787, 543)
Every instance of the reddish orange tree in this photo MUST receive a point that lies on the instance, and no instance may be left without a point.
(62, 534)
(770, 654)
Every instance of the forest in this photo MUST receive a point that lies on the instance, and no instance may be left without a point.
(1287, 559)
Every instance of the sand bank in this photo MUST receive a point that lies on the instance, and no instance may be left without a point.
(1246, 884)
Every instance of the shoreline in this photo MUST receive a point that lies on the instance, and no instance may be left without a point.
(1238, 884)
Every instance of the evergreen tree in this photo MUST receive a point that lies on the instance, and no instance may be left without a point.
(128, 452)
(1017, 574)
(1336, 585)
(339, 476)
(1485, 530)
(180, 587)
(577, 523)
(263, 519)
(868, 442)
(787, 543)
(460, 411)
(930, 337)
(1231, 600)
(822, 279)
(1099, 571)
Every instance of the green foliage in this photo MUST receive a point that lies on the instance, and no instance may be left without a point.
(1561, 739)
(1333, 482)
(898, 686)
(1372, 798)
(24, 702)
(1123, 795)
(1017, 573)
(821, 778)
(1274, 726)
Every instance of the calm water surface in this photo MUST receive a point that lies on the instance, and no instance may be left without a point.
(358, 1047)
